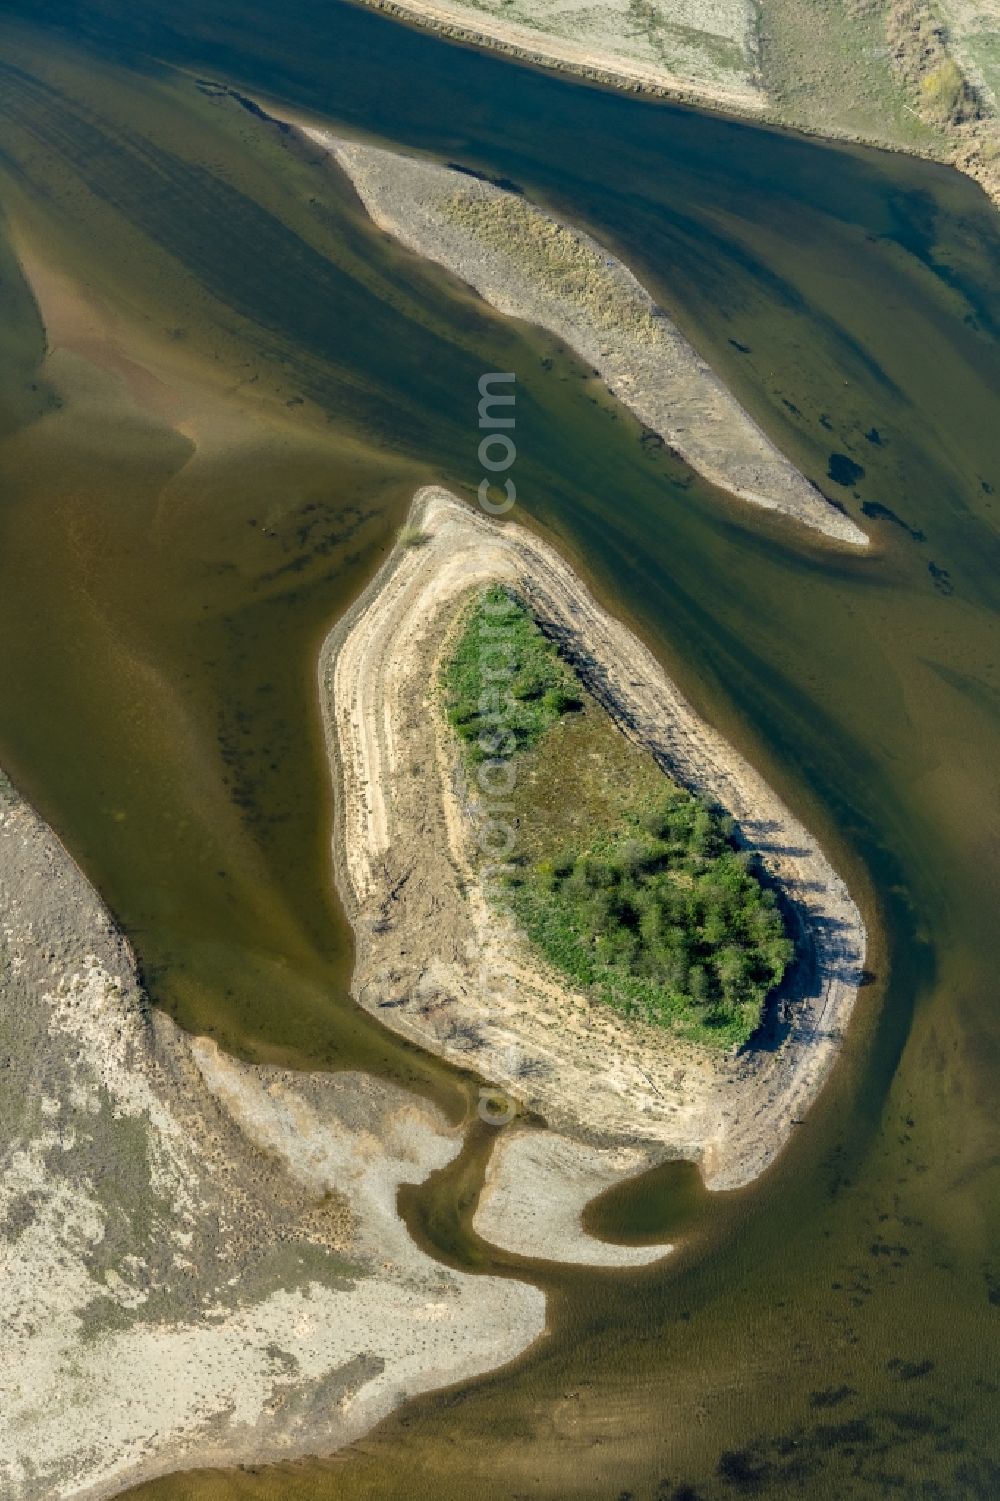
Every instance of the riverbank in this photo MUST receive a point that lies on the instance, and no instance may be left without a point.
(202, 1260)
(529, 265)
(901, 75)
(701, 55)
(426, 934)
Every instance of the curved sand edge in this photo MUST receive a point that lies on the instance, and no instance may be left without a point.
(202, 1260)
(538, 1184)
(529, 265)
(429, 945)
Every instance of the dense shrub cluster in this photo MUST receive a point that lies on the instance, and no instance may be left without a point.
(655, 911)
(505, 679)
(668, 922)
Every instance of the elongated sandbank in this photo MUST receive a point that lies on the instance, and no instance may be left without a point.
(201, 1262)
(430, 947)
(529, 265)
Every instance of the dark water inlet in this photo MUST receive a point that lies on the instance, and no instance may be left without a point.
(160, 622)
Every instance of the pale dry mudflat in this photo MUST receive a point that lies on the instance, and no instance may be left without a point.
(529, 265)
(201, 1261)
(438, 962)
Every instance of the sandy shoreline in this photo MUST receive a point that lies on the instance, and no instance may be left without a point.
(201, 1262)
(425, 932)
(529, 265)
(912, 42)
(585, 60)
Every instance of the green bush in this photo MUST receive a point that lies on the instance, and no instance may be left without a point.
(668, 923)
(659, 915)
(945, 90)
(505, 683)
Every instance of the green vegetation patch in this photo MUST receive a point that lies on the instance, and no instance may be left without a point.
(505, 684)
(666, 922)
(629, 885)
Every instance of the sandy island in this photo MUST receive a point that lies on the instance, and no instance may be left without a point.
(426, 933)
(528, 264)
(201, 1262)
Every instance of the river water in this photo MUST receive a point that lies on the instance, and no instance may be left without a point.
(831, 1332)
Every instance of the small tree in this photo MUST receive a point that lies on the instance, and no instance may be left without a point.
(946, 92)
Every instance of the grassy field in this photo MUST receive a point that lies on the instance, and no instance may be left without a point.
(828, 66)
(628, 884)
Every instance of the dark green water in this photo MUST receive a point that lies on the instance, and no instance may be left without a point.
(835, 1328)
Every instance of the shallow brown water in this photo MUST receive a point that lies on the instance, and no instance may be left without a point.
(830, 1332)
